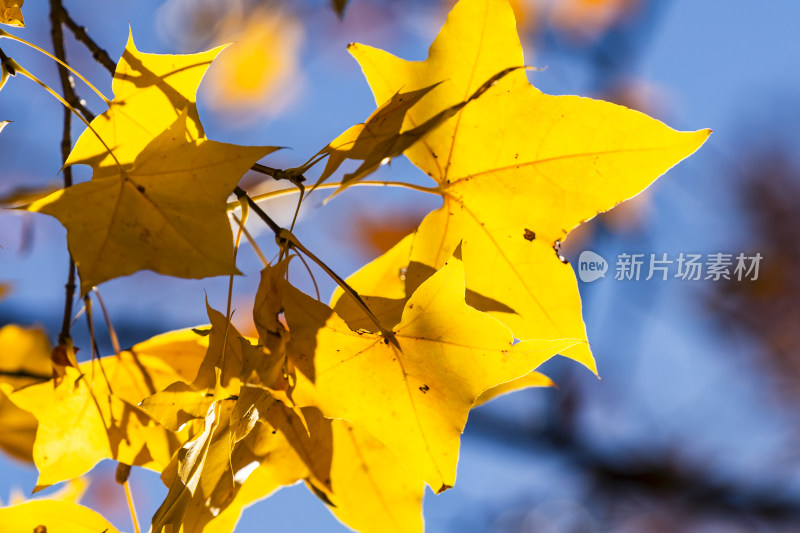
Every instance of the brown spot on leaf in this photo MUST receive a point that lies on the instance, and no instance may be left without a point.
(529, 235)
(424, 389)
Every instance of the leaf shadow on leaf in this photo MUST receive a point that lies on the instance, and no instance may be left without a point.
(378, 138)
(390, 310)
(417, 273)
(148, 78)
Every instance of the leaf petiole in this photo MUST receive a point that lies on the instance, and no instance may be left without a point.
(18, 69)
(287, 238)
(232, 206)
(13, 37)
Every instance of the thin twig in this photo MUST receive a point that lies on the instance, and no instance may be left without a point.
(67, 85)
(251, 240)
(66, 146)
(286, 238)
(87, 303)
(109, 326)
(311, 275)
(80, 34)
(69, 297)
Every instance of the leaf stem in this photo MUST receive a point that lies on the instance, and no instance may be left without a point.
(286, 238)
(95, 351)
(20, 40)
(232, 206)
(251, 240)
(111, 332)
(18, 69)
(131, 507)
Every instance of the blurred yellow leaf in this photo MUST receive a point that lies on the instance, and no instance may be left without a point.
(588, 19)
(517, 169)
(258, 73)
(70, 491)
(24, 356)
(22, 196)
(414, 399)
(24, 360)
(165, 212)
(11, 13)
(55, 516)
(17, 430)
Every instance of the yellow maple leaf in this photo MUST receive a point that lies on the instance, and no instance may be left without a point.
(55, 517)
(533, 379)
(183, 350)
(199, 517)
(377, 138)
(185, 471)
(206, 476)
(261, 463)
(383, 136)
(164, 212)
(386, 275)
(413, 396)
(150, 93)
(275, 442)
(371, 491)
(81, 421)
(272, 334)
(517, 169)
(70, 491)
(11, 12)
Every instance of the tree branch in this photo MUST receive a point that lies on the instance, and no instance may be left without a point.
(68, 90)
(286, 238)
(58, 11)
(660, 476)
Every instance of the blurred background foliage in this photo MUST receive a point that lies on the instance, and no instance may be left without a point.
(694, 427)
